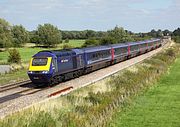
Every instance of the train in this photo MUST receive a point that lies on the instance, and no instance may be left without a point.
(54, 66)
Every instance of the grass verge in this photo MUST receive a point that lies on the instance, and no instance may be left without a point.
(13, 76)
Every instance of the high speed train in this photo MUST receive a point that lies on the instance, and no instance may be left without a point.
(54, 66)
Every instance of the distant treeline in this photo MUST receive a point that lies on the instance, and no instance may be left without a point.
(49, 35)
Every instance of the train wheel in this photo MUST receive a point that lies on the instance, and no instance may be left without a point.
(80, 72)
(59, 79)
(56, 80)
(51, 82)
(74, 75)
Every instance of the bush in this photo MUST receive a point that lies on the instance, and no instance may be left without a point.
(176, 39)
(170, 52)
(91, 42)
(108, 40)
(66, 46)
(14, 56)
(66, 41)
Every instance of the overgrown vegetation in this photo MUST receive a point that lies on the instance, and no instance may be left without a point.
(91, 106)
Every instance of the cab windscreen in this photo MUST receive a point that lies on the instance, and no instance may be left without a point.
(39, 61)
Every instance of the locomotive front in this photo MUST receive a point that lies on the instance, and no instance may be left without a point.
(41, 67)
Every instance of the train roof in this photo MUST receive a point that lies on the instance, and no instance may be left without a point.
(44, 54)
(64, 52)
(153, 40)
(97, 48)
(136, 43)
(76, 51)
(143, 42)
(119, 45)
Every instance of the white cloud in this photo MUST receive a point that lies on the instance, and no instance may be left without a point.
(82, 14)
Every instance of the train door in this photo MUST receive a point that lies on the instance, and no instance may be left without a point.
(129, 50)
(54, 65)
(80, 61)
(112, 54)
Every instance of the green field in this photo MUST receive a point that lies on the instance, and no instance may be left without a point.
(74, 43)
(27, 52)
(158, 107)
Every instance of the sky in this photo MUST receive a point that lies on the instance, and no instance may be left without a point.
(133, 15)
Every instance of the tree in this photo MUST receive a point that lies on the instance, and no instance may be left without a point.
(153, 33)
(20, 35)
(119, 35)
(107, 40)
(159, 33)
(167, 32)
(48, 35)
(86, 34)
(33, 36)
(5, 34)
(90, 33)
(176, 32)
(176, 35)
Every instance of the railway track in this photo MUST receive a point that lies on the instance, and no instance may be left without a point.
(13, 96)
(14, 85)
(19, 93)
(15, 90)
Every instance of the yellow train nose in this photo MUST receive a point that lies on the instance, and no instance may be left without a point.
(43, 66)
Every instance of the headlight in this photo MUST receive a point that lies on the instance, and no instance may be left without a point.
(30, 72)
(44, 72)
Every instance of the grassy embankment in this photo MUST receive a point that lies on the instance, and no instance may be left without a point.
(95, 105)
(26, 53)
(158, 107)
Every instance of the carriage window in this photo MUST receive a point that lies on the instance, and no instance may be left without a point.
(134, 47)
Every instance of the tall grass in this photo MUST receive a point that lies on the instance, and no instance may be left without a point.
(91, 107)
